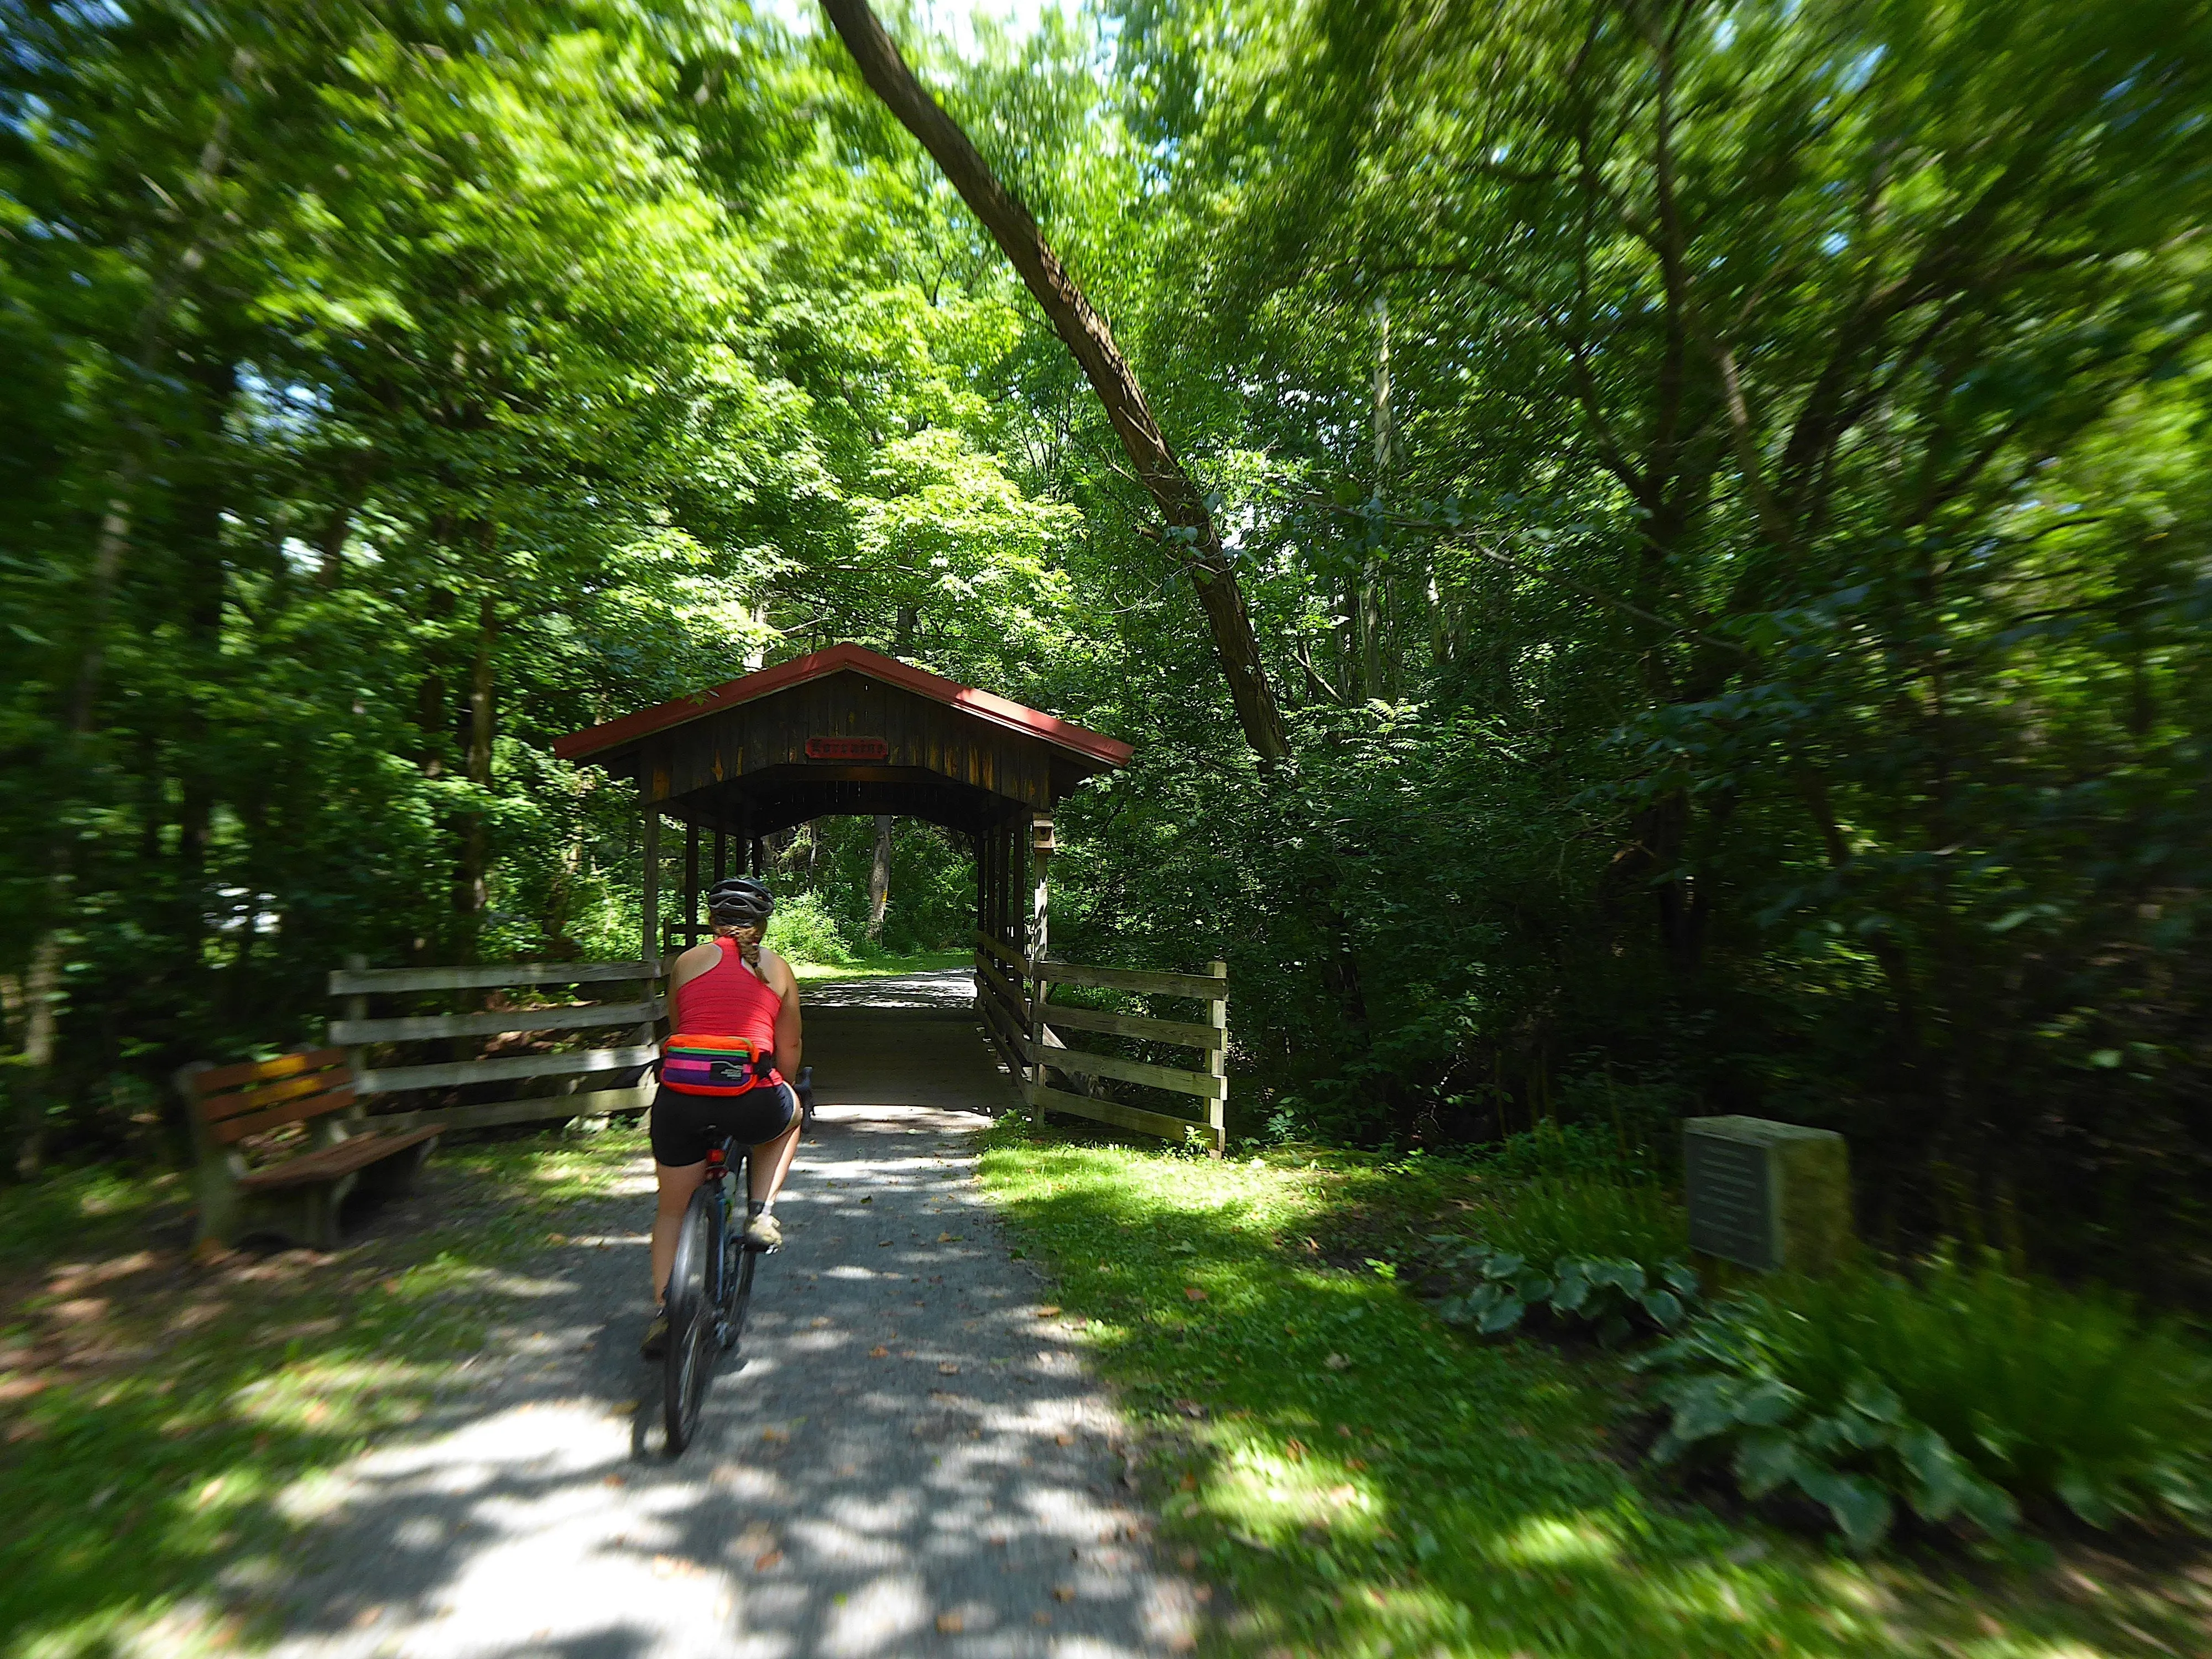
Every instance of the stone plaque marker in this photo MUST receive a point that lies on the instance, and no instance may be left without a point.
(1767, 1196)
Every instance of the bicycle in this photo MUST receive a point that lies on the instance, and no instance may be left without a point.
(710, 1284)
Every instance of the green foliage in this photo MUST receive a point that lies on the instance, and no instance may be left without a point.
(1361, 1485)
(1592, 1251)
(1724, 508)
(1558, 1216)
(1611, 1294)
(1572, 1152)
(1962, 1390)
(803, 929)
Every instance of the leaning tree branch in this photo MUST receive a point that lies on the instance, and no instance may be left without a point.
(1091, 343)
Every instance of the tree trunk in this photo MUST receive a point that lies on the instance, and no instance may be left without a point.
(1374, 679)
(1191, 528)
(879, 880)
(472, 891)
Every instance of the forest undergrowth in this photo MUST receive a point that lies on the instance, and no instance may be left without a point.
(1365, 1479)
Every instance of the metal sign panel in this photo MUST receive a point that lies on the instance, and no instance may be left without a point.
(847, 749)
(1729, 1184)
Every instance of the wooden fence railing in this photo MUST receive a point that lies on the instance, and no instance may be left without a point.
(1014, 996)
(639, 1011)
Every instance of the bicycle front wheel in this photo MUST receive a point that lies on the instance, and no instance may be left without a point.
(691, 1317)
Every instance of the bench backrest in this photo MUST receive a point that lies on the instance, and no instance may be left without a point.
(248, 1099)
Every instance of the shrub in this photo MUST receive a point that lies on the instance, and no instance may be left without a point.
(1605, 1253)
(1606, 1292)
(1584, 1151)
(1966, 1391)
(803, 930)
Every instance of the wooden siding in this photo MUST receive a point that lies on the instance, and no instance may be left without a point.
(688, 768)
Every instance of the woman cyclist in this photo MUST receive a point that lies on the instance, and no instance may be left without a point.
(729, 987)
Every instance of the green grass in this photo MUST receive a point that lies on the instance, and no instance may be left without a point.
(158, 1458)
(880, 967)
(1366, 1482)
(1560, 1216)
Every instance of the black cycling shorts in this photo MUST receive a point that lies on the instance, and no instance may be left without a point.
(685, 1126)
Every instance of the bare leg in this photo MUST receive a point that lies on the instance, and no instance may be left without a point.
(677, 1183)
(771, 1161)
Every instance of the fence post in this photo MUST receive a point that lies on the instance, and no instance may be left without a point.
(1217, 1060)
(649, 909)
(356, 1008)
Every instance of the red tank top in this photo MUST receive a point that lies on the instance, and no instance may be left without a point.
(728, 999)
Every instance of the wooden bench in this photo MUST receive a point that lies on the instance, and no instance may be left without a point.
(249, 1181)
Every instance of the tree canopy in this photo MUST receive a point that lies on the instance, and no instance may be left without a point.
(1719, 492)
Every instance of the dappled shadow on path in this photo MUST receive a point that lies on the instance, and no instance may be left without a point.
(905, 1458)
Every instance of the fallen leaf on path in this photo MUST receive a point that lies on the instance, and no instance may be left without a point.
(1063, 1592)
(1190, 1408)
(1048, 1312)
(674, 1566)
(950, 1624)
(612, 1480)
(776, 1435)
(1190, 1481)
(1063, 1438)
(767, 1560)
(1193, 1292)
(946, 1368)
(821, 1324)
(879, 1352)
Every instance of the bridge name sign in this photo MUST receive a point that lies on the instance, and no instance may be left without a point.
(849, 748)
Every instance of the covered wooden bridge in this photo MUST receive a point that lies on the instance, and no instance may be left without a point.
(844, 731)
(848, 731)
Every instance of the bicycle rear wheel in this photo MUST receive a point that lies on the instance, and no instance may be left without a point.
(689, 1365)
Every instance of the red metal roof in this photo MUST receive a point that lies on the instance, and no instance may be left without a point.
(983, 705)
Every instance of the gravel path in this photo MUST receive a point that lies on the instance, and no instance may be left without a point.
(908, 1458)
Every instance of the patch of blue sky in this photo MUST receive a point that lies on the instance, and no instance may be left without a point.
(1861, 69)
(954, 19)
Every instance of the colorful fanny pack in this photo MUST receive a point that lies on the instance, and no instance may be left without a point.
(714, 1065)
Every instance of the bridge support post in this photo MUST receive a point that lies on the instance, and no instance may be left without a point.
(1040, 931)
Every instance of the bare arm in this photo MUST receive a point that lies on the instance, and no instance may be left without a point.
(789, 1040)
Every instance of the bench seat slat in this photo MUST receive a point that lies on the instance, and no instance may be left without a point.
(231, 1130)
(331, 1161)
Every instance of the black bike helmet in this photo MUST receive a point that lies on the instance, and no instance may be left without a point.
(740, 901)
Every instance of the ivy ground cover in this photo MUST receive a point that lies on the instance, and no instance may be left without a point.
(1358, 1479)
